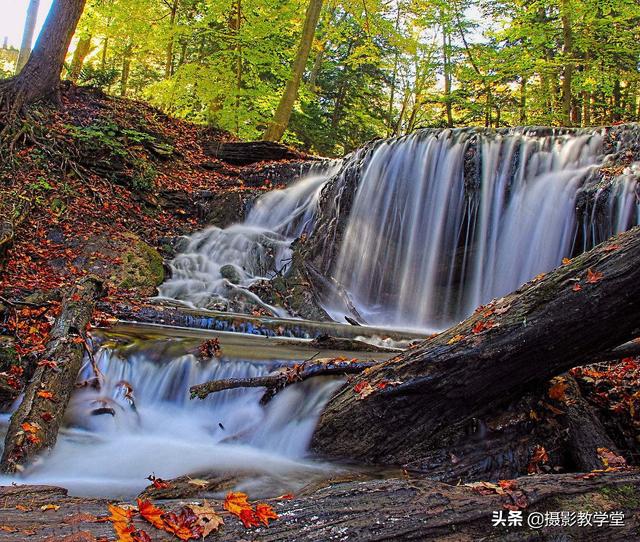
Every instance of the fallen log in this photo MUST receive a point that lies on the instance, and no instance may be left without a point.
(34, 425)
(513, 345)
(280, 379)
(249, 152)
(388, 509)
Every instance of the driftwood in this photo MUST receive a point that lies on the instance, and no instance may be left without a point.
(244, 153)
(391, 509)
(453, 381)
(34, 426)
(280, 379)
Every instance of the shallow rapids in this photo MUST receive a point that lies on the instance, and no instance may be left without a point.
(141, 422)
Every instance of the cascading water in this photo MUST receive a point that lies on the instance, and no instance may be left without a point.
(423, 246)
(218, 264)
(424, 228)
(141, 421)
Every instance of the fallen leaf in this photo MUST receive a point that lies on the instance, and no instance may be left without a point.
(557, 391)
(264, 512)
(198, 482)
(594, 276)
(8, 529)
(23, 508)
(249, 518)
(285, 497)
(576, 287)
(208, 518)
(184, 525)
(566, 261)
(45, 394)
(151, 513)
(46, 507)
(611, 460)
(30, 427)
(119, 514)
(235, 503)
(611, 248)
(455, 339)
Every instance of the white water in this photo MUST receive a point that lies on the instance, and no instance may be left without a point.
(421, 249)
(256, 248)
(170, 435)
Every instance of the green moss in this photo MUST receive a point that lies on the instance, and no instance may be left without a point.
(8, 356)
(142, 267)
(626, 496)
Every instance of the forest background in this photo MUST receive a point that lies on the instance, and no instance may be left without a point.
(374, 68)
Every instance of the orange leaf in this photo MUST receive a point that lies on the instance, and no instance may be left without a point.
(611, 248)
(235, 503)
(285, 497)
(46, 394)
(119, 514)
(151, 513)
(249, 518)
(455, 339)
(594, 276)
(556, 391)
(30, 427)
(576, 287)
(566, 261)
(264, 512)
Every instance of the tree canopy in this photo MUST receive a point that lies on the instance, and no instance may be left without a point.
(374, 68)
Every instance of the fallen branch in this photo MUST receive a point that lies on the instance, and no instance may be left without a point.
(34, 426)
(278, 380)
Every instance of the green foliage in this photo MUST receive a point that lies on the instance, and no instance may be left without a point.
(376, 68)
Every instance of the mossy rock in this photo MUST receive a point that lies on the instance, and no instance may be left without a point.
(8, 355)
(142, 266)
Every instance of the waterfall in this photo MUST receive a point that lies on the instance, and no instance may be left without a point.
(415, 232)
(442, 222)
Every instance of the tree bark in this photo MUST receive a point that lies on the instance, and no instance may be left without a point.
(27, 35)
(367, 510)
(168, 68)
(567, 52)
(82, 50)
(34, 426)
(40, 77)
(280, 121)
(513, 345)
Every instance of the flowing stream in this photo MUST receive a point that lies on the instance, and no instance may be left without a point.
(141, 421)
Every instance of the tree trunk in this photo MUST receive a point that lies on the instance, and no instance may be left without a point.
(446, 70)
(126, 70)
(512, 345)
(567, 52)
(523, 101)
(40, 77)
(360, 508)
(27, 35)
(82, 50)
(34, 426)
(280, 121)
(168, 68)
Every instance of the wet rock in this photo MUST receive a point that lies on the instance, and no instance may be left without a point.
(231, 273)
